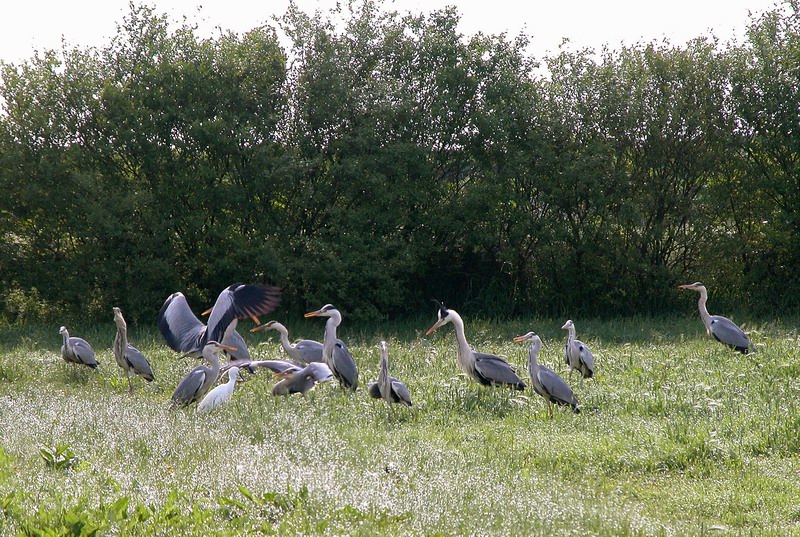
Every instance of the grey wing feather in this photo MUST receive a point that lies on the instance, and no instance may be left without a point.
(309, 350)
(319, 372)
(497, 370)
(726, 331)
(240, 301)
(179, 326)
(237, 341)
(586, 355)
(344, 367)
(276, 366)
(188, 390)
(138, 362)
(374, 390)
(83, 351)
(401, 391)
(557, 390)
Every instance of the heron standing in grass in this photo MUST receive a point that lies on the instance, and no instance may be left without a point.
(200, 379)
(127, 356)
(340, 363)
(485, 369)
(544, 380)
(389, 388)
(77, 350)
(720, 328)
(577, 355)
(221, 394)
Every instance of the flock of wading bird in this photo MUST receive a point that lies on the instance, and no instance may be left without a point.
(313, 362)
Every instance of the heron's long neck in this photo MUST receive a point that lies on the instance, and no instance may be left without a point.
(466, 358)
(121, 340)
(570, 335)
(66, 337)
(330, 338)
(701, 305)
(533, 355)
(213, 360)
(287, 346)
(383, 376)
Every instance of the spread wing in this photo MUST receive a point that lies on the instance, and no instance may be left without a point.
(240, 301)
(181, 329)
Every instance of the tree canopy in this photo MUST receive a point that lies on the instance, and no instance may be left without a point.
(382, 159)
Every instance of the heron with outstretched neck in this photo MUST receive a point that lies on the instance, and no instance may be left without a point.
(304, 351)
(484, 368)
(388, 388)
(720, 328)
(126, 355)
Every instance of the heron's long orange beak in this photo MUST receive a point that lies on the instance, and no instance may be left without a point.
(433, 328)
(227, 347)
(255, 319)
(312, 313)
(284, 373)
(207, 312)
(519, 338)
(687, 286)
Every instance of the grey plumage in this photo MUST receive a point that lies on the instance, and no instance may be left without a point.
(544, 380)
(577, 355)
(184, 332)
(126, 355)
(486, 369)
(388, 388)
(336, 357)
(720, 328)
(304, 351)
(302, 380)
(77, 350)
(199, 380)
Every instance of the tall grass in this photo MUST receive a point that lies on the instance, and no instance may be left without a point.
(678, 436)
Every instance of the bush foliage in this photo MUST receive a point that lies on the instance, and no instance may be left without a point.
(385, 158)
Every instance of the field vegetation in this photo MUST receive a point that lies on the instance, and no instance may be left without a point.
(677, 436)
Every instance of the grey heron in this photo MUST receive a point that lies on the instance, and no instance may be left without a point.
(77, 350)
(485, 369)
(184, 332)
(577, 355)
(221, 394)
(127, 356)
(720, 328)
(302, 380)
(200, 379)
(304, 351)
(389, 388)
(339, 360)
(544, 380)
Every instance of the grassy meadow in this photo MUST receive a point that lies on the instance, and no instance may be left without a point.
(677, 436)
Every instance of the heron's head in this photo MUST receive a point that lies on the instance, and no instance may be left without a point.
(696, 286)
(568, 325)
(325, 311)
(382, 346)
(63, 331)
(443, 315)
(529, 336)
(118, 315)
(270, 325)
